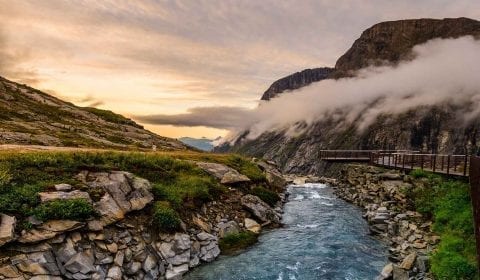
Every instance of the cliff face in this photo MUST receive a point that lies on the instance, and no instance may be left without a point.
(29, 116)
(297, 80)
(434, 128)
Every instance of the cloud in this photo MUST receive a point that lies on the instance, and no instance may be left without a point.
(232, 118)
(442, 72)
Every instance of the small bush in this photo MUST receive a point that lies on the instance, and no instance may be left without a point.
(246, 167)
(72, 209)
(270, 197)
(19, 200)
(164, 217)
(237, 241)
(419, 173)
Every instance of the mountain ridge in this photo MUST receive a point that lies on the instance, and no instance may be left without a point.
(31, 117)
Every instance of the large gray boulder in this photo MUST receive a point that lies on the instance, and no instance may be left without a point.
(60, 195)
(260, 209)
(225, 174)
(49, 230)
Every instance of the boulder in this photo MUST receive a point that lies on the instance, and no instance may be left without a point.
(81, 262)
(260, 209)
(225, 174)
(409, 261)
(230, 227)
(7, 229)
(176, 272)
(387, 272)
(60, 195)
(399, 273)
(252, 225)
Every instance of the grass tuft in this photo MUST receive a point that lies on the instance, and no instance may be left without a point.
(164, 217)
(234, 242)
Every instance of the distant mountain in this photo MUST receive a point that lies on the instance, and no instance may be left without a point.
(430, 128)
(203, 143)
(31, 117)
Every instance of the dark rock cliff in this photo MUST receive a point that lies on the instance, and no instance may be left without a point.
(297, 80)
(434, 128)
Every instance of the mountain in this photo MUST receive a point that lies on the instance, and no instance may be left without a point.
(432, 128)
(296, 81)
(31, 117)
(203, 143)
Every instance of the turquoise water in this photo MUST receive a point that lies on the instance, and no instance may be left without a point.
(323, 238)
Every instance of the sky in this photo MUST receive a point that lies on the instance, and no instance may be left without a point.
(142, 58)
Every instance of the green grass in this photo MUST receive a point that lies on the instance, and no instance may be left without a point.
(165, 218)
(448, 203)
(234, 242)
(112, 117)
(270, 197)
(180, 182)
(72, 209)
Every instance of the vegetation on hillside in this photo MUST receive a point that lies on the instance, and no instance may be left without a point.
(177, 182)
(234, 242)
(448, 203)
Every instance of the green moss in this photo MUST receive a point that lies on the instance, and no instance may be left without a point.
(237, 241)
(72, 209)
(270, 197)
(164, 217)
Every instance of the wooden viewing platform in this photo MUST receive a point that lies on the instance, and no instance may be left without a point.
(456, 165)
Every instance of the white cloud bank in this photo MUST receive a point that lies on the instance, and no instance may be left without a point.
(442, 71)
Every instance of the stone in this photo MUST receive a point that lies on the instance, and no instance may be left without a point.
(181, 242)
(252, 225)
(31, 267)
(112, 248)
(409, 261)
(49, 230)
(109, 211)
(45, 277)
(63, 187)
(423, 263)
(60, 195)
(119, 257)
(399, 273)
(201, 224)
(115, 273)
(81, 262)
(149, 263)
(225, 174)
(209, 252)
(387, 272)
(176, 272)
(7, 229)
(230, 227)
(133, 268)
(259, 209)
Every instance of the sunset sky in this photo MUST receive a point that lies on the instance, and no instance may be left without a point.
(141, 58)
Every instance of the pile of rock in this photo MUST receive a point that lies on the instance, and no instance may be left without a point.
(408, 234)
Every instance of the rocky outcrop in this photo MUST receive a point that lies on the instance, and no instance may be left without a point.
(120, 243)
(260, 209)
(225, 174)
(382, 195)
(297, 80)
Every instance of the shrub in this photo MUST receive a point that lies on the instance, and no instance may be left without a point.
(19, 200)
(164, 217)
(270, 197)
(246, 167)
(237, 241)
(72, 209)
(418, 173)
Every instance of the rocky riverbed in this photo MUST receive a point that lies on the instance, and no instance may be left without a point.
(120, 243)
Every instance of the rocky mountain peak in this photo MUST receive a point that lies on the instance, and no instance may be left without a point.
(392, 40)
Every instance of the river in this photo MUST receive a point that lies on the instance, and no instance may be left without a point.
(324, 238)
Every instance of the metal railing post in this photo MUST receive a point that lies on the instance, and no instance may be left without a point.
(448, 164)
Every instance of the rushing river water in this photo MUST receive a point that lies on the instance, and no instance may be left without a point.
(323, 238)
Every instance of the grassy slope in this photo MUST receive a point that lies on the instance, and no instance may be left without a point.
(177, 182)
(448, 203)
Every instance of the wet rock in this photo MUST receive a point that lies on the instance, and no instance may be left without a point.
(400, 273)
(176, 272)
(260, 209)
(7, 229)
(387, 272)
